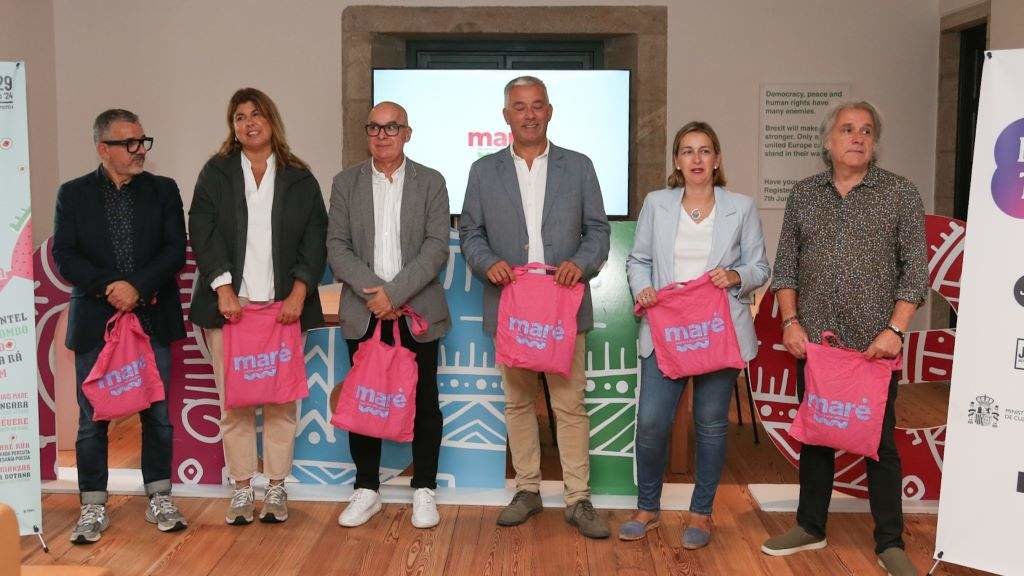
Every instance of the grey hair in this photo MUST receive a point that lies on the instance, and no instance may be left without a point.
(102, 123)
(525, 81)
(829, 122)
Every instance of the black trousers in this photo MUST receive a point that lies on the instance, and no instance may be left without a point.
(885, 479)
(426, 442)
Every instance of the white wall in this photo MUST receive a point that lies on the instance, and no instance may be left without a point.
(176, 64)
(1006, 24)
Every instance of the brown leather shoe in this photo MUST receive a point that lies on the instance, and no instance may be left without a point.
(583, 516)
(524, 504)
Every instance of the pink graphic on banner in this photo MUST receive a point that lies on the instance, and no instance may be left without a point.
(927, 357)
(21, 258)
(194, 404)
(52, 295)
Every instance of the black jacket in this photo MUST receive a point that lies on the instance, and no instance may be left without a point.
(218, 224)
(85, 257)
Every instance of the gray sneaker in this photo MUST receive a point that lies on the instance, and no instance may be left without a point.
(583, 516)
(524, 504)
(796, 540)
(92, 520)
(240, 509)
(896, 562)
(275, 505)
(162, 512)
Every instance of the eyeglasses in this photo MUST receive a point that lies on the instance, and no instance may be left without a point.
(132, 144)
(389, 129)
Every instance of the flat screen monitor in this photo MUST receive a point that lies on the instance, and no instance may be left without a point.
(456, 119)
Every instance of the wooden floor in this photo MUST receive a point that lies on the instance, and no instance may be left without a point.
(467, 542)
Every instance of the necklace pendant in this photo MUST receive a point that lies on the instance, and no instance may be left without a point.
(695, 214)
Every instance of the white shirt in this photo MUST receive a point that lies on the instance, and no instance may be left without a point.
(532, 184)
(258, 269)
(693, 245)
(387, 222)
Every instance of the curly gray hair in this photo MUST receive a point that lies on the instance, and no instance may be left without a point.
(829, 122)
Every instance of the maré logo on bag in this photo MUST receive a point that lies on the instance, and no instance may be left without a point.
(123, 379)
(836, 413)
(378, 403)
(535, 334)
(263, 365)
(696, 336)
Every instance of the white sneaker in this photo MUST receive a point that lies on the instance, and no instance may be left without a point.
(424, 509)
(361, 507)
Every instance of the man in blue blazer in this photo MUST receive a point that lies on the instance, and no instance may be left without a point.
(119, 240)
(536, 202)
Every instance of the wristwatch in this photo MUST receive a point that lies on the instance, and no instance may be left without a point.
(895, 329)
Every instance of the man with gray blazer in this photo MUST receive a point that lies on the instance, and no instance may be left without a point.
(387, 240)
(536, 202)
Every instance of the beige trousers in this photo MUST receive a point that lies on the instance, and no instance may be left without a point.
(573, 425)
(238, 427)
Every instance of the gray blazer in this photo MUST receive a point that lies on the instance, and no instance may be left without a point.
(574, 226)
(424, 230)
(736, 243)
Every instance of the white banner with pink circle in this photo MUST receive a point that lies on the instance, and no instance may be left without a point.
(19, 411)
(981, 506)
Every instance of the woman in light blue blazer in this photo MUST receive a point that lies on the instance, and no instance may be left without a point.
(692, 227)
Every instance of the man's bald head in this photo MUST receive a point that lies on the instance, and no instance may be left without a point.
(400, 114)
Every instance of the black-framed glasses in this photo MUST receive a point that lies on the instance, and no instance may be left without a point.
(132, 144)
(389, 129)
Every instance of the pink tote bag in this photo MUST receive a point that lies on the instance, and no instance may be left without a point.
(378, 396)
(844, 399)
(537, 322)
(263, 359)
(125, 379)
(692, 330)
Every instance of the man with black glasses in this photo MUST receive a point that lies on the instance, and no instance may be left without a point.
(119, 240)
(387, 240)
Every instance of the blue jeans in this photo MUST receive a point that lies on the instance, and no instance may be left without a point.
(91, 445)
(656, 411)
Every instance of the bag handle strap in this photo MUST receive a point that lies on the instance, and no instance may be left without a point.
(639, 310)
(418, 325)
(533, 266)
(830, 340)
(111, 330)
(394, 331)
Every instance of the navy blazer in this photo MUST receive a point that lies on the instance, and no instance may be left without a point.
(84, 254)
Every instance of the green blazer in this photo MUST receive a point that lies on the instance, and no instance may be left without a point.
(218, 224)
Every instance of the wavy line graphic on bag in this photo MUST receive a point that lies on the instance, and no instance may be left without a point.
(535, 334)
(260, 366)
(694, 336)
(125, 378)
(837, 413)
(378, 403)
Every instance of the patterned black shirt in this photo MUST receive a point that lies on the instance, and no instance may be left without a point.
(119, 206)
(850, 259)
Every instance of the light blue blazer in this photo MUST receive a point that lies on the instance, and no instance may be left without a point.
(736, 244)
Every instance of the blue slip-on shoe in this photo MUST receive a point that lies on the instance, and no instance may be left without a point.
(635, 529)
(694, 538)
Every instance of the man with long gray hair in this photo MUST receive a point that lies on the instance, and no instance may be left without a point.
(852, 260)
(119, 240)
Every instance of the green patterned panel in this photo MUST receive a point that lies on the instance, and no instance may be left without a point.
(612, 372)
